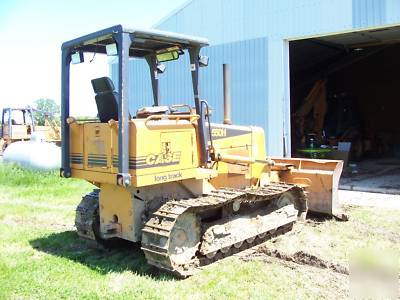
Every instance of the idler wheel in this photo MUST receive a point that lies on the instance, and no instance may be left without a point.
(184, 239)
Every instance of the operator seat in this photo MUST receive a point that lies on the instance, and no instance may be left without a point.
(106, 99)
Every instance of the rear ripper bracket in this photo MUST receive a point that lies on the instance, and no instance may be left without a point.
(124, 179)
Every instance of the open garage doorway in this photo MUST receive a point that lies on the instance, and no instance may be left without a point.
(345, 104)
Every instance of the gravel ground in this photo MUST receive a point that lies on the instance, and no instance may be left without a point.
(369, 199)
(372, 175)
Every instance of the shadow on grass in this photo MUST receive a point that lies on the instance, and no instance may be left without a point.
(127, 256)
(321, 217)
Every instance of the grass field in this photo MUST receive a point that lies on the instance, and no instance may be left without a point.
(41, 256)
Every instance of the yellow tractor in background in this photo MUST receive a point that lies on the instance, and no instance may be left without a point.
(17, 124)
(190, 191)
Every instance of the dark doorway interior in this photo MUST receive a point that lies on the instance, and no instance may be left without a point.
(345, 90)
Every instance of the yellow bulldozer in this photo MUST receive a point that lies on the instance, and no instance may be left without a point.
(17, 124)
(189, 190)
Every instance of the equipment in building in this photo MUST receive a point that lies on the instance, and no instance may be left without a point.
(316, 103)
(189, 190)
(17, 124)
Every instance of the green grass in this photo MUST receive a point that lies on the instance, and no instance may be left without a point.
(20, 184)
(41, 256)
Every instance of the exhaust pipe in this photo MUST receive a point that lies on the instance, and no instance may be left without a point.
(227, 94)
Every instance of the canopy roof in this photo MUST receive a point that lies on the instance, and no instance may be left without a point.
(145, 41)
(18, 108)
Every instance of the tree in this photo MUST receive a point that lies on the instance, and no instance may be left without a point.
(46, 107)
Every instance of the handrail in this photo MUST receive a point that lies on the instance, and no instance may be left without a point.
(172, 107)
(205, 103)
(191, 118)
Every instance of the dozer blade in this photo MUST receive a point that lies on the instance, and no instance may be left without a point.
(320, 178)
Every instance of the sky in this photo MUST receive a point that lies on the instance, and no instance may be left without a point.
(32, 32)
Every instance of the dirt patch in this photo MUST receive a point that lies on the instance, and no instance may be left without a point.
(300, 247)
(328, 244)
(335, 285)
(303, 258)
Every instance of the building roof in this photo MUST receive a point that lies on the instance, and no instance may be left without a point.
(172, 13)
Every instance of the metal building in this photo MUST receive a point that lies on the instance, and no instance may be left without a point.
(254, 37)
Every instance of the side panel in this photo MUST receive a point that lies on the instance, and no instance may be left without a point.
(160, 151)
(76, 147)
(19, 132)
(166, 151)
(232, 140)
(97, 147)
(246, 142)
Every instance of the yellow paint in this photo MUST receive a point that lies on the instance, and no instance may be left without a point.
(164, 151)
(18, 132)
(94, 177)
(51, 133)
(164, 163)
(116, 207)
(250, 144)
(158, 153)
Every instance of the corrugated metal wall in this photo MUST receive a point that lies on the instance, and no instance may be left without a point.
(248, 70)
(368, 13)
(392, 11)
(250, 34)
(224, 21)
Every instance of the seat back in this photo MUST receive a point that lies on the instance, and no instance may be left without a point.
(106, 99)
